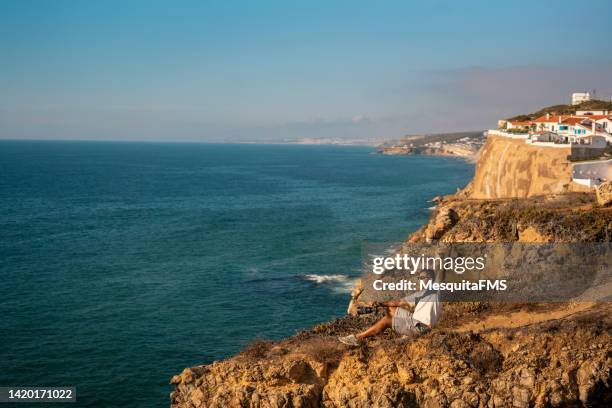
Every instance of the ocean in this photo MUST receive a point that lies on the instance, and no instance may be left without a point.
(123, 263)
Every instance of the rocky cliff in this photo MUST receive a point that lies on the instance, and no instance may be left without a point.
(561, 360)
(510, 168)
(481, 354)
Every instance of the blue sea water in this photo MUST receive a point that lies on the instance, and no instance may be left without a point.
(123, 263)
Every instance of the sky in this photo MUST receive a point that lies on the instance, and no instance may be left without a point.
(241, 71)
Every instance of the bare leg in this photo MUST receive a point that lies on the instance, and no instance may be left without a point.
(379, 326)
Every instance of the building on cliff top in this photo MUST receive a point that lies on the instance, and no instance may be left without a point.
(572, 128)
(579, 97)
(568, 128)
(592, 112)
(586, 133)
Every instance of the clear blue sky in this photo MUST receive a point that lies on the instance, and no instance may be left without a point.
(274, 70)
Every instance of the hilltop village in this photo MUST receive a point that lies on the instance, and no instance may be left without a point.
(575, 137)
(582, 130)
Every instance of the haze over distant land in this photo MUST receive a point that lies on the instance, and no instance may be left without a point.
(279, 71)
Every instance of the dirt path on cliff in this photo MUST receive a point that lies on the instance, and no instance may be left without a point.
(522, 318)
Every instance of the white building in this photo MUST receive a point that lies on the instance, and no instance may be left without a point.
(591, 112)
(579, 97)
(515, 124)
(572, 128)
(603, 124)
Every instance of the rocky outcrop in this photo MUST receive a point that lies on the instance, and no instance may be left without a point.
(604, 194)
(511, 168)
(291, 382)
(482, 354)
(573, 217)
(554, 363)
(443, 220)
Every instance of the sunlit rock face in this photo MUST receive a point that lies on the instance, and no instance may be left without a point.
(511, 168)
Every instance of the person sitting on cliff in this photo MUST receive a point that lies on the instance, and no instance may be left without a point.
(413, 315)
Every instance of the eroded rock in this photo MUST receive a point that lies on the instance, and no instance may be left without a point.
(604, 194)
(546, 364)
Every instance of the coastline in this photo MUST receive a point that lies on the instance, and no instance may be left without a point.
(471, 157)
(465, 145)
(477, 368)
(288, 211)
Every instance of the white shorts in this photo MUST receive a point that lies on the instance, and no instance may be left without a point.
(403, 323)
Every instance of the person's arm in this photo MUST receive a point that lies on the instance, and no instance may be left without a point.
(396, 303)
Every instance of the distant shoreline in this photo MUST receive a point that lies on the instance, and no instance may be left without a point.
(465, 145)
(351, 143)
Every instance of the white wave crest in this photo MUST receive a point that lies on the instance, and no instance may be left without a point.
(325, 278)
(340, 283)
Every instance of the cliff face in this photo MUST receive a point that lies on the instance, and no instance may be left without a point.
(511, 168)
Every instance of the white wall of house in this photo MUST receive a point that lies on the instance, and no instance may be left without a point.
(591, 112)
(511, 125)
(606, 123)
(495, 132)
(586, 182)
(578, 97)
(551, 126)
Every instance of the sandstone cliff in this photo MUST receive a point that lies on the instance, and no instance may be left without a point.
(511, 168)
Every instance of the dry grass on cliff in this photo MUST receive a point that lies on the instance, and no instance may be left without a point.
(571, 217)
(340, 327)
(323, 347)
(470, 348)
(257, 349)
(455, 314)
(324, 350)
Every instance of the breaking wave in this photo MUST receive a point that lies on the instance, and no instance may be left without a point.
(343, 283)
